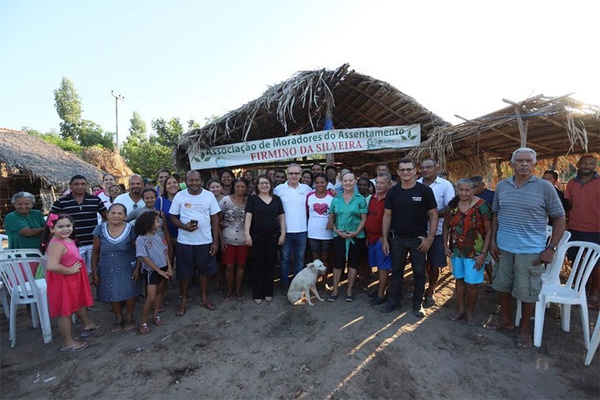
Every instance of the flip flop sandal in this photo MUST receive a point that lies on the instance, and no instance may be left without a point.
(158, 321)
(181, 311)
(523, 342)
(81, 346)
(89, 332)
(143, 328)
(209, 305)
(117, 326)
(494, 326)
(129, 325)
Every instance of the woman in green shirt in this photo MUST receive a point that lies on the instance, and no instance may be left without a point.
(24, 226)
(347, 217)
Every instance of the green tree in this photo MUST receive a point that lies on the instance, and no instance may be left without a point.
(167, 132)
(137, 124)
(193, 125)
(147, 155)
(92, 134)
(68, 106)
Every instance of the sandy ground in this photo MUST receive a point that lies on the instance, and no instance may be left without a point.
(277, 351)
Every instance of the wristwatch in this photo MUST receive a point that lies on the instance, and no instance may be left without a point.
(553, 248)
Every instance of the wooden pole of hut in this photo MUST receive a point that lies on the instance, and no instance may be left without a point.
(522, 125)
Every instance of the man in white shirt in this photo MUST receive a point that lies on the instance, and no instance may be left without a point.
(195, 212)
(132, 199)
(436, 256)
(293, 196)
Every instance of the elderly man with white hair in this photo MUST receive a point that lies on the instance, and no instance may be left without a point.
(521, 208)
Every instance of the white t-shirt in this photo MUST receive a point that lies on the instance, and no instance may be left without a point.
(443, 191)
(318, 215)
(197, 207)
(105, 199)
(126, 200)
(294, 205)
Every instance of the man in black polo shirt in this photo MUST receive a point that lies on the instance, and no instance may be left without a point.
(82, 207)
(409, 208)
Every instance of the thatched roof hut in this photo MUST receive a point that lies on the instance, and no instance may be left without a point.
(552, 126)
(301, 104)
(19, 150)
(30, 163)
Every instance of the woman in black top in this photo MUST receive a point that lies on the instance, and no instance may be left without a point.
(264, 231)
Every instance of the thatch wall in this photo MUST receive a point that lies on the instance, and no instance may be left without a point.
(301, 105)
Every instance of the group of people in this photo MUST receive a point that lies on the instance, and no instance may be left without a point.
(167, 232)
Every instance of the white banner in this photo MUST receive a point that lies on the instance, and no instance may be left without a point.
(322, 142)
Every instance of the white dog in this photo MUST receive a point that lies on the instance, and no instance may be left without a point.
(305, 281)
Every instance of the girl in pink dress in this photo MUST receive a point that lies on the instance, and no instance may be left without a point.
(67, 281)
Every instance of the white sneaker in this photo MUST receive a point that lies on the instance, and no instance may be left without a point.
(268, 298)
(258, 301)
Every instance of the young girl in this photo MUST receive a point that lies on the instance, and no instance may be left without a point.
(67, 281)
(152, 252)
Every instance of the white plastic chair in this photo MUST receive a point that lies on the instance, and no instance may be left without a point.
(25, 289)
(20, 253)
(3, 299)
(15, 253)
(594, 342)
(572, 292)
(552, 272)
(3, 238)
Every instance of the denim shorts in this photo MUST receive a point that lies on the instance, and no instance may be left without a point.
(194, 258)
(377, 258)
(319, 246)
(436, 255)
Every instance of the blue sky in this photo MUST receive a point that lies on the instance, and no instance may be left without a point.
(193, 59)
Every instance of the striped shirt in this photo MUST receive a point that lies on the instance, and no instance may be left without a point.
(523, 214)
(153, 247)
(83, 214)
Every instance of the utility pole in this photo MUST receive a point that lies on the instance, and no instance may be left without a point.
(117, 98)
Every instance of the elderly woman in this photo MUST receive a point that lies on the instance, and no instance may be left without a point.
(115, 271)
(24, 226)
(467, 234)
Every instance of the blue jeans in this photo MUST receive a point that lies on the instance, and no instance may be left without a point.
(400, 248)
(295, 245)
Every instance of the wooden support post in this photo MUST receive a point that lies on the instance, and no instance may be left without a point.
(522, 126)
(554, 163)
(498, 172)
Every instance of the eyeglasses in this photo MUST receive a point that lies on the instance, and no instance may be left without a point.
(405, 169)
(294, 173)
(263, 183)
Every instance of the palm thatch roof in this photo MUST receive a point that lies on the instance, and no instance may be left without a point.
(552, 126)
(301, 105)
(35, 156)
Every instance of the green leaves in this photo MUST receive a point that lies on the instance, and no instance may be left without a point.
(68, 106)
